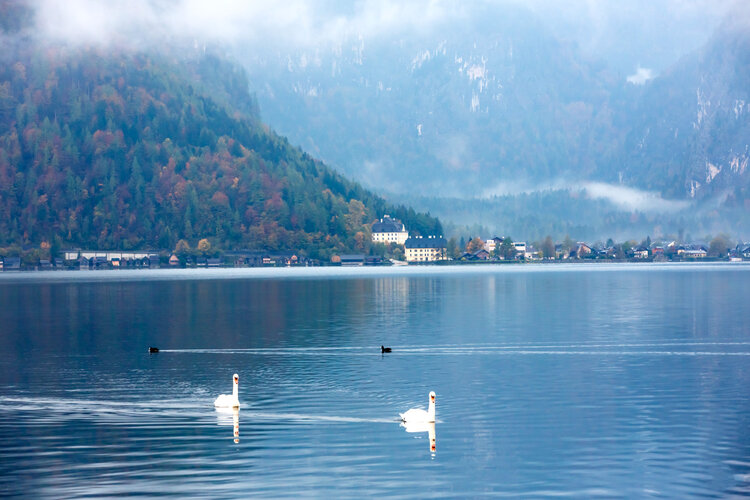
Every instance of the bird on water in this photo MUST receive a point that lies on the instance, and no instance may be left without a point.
(153, 349)
(384, 349)
(227, 400)
(418, 415)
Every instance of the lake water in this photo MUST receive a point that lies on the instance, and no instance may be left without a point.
(551, 380)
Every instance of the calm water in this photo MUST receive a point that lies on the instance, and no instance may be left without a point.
(581, 381)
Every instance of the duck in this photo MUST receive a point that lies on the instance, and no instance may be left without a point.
(227, 400)
(418, 415)
(384, 349)
(153, 349)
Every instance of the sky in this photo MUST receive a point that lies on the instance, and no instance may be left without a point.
(631, 35)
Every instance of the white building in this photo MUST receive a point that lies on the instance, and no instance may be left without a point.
(389, 230)
(425, 249)
(491, 244)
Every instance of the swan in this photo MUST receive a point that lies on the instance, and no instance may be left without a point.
(227, 401)
(384, 349)
(416, 415)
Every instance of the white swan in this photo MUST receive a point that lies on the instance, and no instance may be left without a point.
(230, 401)
(416, 415)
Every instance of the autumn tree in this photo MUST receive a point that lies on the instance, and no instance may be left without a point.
(474, 245)
(204, 246)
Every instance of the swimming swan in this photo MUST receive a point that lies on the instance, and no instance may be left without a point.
(227, 401)
(418, 415)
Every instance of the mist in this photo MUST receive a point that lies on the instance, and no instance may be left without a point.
(636, 41)
(641, 33)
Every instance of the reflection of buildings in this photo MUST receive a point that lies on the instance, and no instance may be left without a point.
(391, 299)
(428, 427)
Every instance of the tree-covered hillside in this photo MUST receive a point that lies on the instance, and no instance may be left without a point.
(132, 150)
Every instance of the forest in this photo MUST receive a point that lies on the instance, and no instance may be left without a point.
(133, 150)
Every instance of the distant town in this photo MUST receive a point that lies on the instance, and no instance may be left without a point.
(392, 245)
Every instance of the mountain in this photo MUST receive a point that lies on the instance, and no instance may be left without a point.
(455, 110)
(690, 130)
(493, 110)
(127, 150)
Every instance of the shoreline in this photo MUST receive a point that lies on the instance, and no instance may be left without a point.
(337, 272)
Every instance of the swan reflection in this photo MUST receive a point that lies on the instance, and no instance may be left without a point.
(223, 419)
(428, 427)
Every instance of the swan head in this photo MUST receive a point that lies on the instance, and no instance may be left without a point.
(432, 397)
(236, 379)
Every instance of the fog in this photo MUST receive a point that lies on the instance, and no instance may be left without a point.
(647, 34)
(637, 39)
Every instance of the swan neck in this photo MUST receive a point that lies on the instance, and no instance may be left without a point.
(235, 390)
(431, 411)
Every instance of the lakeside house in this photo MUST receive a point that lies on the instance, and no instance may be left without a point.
(492, 243)
(389, 230)
(640, 252)
(114, 258)
(520, 247)
(429, 249)
(11, 264)
(580, 250)
(350, 260)
(696, 251)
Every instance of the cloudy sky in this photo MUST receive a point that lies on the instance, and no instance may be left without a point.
(631, 34)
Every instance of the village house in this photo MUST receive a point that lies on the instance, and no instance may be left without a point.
(640, 252)
(146, 258)
(389, 230)
(12, 264)
(696, 251)
(520, 247)
(481, 254)
(430, 249)
(350, 260)
(580, 250)
(492, 243)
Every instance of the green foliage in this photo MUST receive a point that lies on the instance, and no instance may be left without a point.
(136, 151)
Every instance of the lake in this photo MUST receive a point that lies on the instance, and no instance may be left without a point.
(551, 380)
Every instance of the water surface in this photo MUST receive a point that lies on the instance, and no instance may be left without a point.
(582, 381)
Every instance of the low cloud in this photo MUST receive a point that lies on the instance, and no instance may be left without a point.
(623, 197)
(631, 199)
(287, 22)
(641, 76)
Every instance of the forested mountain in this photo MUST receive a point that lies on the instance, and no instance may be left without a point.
(128, 150)
(689, 133)
(470, 104)
(492, 104)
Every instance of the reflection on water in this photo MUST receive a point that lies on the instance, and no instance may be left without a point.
(428, 427)
(224, 415)
(570, 381)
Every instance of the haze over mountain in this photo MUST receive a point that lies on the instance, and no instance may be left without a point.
(540, 116)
